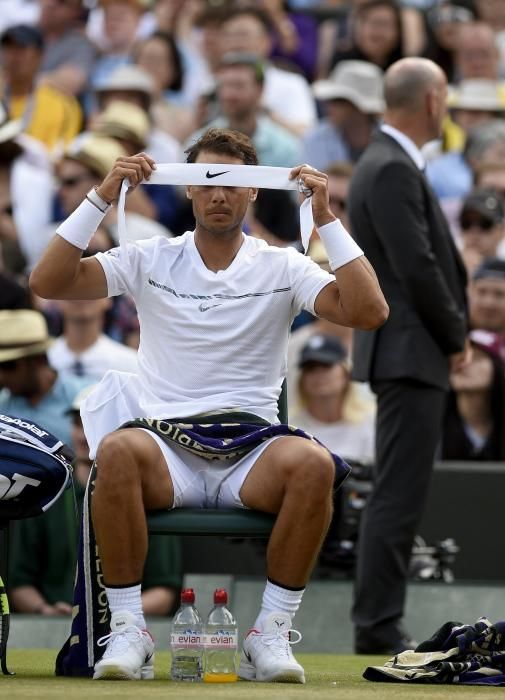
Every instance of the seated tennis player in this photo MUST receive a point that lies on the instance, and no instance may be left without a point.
(215, 309)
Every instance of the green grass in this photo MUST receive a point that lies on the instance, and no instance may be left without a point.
(328, 676)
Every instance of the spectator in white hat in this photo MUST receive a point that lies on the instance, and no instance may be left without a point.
(136, 86)
(352, 101)
(472, 104)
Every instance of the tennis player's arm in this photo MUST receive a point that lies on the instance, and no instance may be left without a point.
(355, 299)
(62, 274)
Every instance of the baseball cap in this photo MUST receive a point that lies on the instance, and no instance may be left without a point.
(489, 342)
(325, 349)
(490, 268)
(485, 202)
(23, 35)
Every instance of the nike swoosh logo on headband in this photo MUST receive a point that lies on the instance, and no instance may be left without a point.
(210, 175)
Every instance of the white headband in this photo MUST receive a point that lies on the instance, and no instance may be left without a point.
(226, 175)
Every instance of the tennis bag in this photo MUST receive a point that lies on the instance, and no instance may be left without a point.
(35, 468)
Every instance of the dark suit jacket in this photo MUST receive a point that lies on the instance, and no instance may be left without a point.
(396, 219)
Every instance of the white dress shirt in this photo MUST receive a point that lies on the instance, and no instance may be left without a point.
(407, 144)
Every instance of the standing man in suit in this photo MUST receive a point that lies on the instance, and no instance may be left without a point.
(396, 219)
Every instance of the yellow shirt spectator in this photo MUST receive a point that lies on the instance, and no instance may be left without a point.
(51, 116)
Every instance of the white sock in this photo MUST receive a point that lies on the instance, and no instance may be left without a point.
(121, 599)
(278, 599)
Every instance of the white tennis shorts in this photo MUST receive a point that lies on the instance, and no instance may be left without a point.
(207, 483)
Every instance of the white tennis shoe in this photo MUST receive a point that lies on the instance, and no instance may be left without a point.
(129, 654)
(267, 654)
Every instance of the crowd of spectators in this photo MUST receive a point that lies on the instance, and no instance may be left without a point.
(83, 82)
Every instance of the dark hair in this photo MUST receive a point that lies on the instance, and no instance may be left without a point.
(247, 60)
(251, 11)
(175, 54)
(369, 6)
(225, 142)
(9, 151)
(365, 8)
(495, 444)
(212, 16)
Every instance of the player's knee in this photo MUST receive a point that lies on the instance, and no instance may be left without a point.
(314, 472)
(115, 458)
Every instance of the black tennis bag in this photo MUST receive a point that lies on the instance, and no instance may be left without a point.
(35, 468)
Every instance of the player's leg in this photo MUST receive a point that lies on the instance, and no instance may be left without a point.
(132, 476)
(294, 478)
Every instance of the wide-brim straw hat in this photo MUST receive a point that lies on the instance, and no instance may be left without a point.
(23, 332)
(357, 82)
(95, 151)
(123, 120)
(478, 94)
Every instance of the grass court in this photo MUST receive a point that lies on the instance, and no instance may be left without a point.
(328, 676)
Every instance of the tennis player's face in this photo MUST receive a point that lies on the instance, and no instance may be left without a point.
(217, 209)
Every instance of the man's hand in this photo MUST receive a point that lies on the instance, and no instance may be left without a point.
(59, 608)
(136, 168)
(317, 182)
(460, 360)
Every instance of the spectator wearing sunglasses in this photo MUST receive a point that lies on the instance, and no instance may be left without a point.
(482, 224)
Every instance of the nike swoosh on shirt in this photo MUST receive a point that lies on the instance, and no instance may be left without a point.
(206, 308)
(210, 175)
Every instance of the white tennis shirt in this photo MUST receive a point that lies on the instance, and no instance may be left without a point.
(212, 340)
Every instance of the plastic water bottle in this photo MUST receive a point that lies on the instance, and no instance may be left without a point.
(220, 642)
(186, 640)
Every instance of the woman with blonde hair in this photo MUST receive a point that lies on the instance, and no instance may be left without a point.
(331, 406)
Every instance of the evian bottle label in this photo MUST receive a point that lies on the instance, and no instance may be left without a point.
(221, 639)
(187, 639)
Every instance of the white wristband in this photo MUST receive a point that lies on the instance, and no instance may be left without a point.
(340, 246)
(80, 226)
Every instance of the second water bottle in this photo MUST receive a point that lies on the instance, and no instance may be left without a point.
(220, 642)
